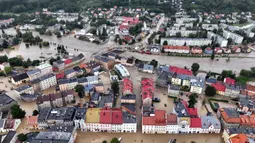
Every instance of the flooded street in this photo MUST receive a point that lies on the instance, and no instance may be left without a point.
(88, 137)
(206, 64)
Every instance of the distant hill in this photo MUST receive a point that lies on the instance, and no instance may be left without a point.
(224, 6)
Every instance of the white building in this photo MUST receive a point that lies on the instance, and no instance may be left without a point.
(45, 68)
(154, 123)
(171, 124)
(129, 123)
(235, 37)
(122, 71)
(34, 74)
(185, 20)
(249, 33)
(197, 85)
(220, 40)
(184, 33)
(186, 41)
(210, 124)
(25, 89)
(176, 49)
(210, 27)
(67, 84)
(47, 81)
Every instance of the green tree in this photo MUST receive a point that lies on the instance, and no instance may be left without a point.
(115, 87)
(115, 140)
(80, 90)
(192, 100)
(3, 59)
(22, 137)
(104, 141)
(165, 43)
(58, 35)
(3, 32)
(7, 70)
(35, 113)
(5, 44)
(210, 91)
(212, 56)
(230, 41)
(154, 63)
(178, 35)
(15, 41)
(17, 112)
(194, 68)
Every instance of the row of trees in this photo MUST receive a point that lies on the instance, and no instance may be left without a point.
(16, 61)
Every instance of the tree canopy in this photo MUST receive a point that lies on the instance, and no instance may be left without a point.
(17, 112)
(115, 87)
(210, 91)
(194, 68)
(192, 100)
(115, 140)
(80, 90)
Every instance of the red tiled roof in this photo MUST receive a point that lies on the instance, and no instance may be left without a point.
(192, 111)
(127, 85)
(32, 120)
(180, 70)
(105, 116)
(176, 47)
(147, 81)
(60, 75)
(148, 120)
(116, 116)
(160, 117)
(195, 123)
(227, 119)
(68, 61)
(229, 81)
(239, 138)
(219, 86)
(171, 119)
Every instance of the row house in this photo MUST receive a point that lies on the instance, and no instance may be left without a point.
(186, 41)
(58, 65)
(67, 84)
(129, 98)
(233, 91)
(109, 120)
(210, 124)
(171, 124)
(79, 117)
(107, 63)
(250, 89)
(197, 85)
(229, 117)
(70, 73)
(184, 33)
(25, 89)
(218, 39)
(196, 50)
(228, 133)
(176, 49)
(34, 74)
(90, 67)
(173, 90)
(147, 68)
(154, 124)
(220, 88)
(55, 100)
(32, 123)
(7, 125)
(63, 116)
(127, 86)
(19, 78)
(106, 101)
(45, 68)
(235, 37)
(44, 82)
(246, 105)
(147, 92)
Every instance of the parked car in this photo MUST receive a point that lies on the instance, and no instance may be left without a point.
(156, 99)
(172, 141)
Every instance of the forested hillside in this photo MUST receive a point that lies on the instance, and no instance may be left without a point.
(223, 6)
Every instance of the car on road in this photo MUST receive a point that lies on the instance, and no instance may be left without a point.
(156, 99)
(119, 139)
(172, 141)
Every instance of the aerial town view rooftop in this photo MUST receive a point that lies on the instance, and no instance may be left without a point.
(127, 71)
